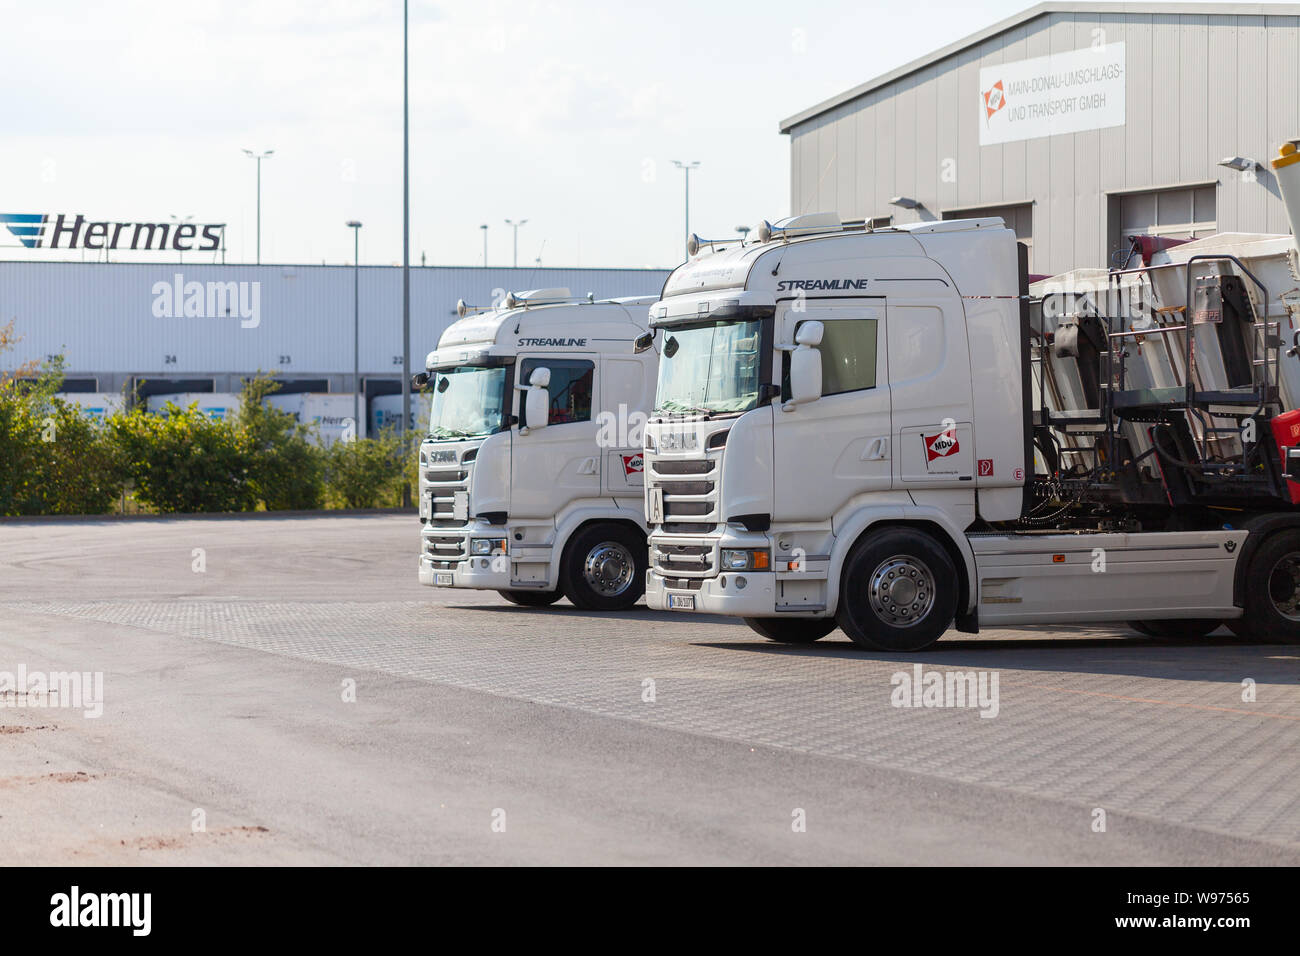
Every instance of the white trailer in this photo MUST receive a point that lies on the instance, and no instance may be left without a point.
(218, 405)
(530, 477)
(96, 405)
(386, 412)
(329, 413)
(879, 430)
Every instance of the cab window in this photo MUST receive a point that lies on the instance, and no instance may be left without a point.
(570, 389)
(848, 353)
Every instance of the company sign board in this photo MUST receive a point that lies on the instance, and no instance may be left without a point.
(37, 230)
(1048, 95)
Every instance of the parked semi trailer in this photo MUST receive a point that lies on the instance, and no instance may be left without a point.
(531, 476)
(888, 431)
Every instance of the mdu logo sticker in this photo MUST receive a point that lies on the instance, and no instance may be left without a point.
(940, 446)
(633, 464)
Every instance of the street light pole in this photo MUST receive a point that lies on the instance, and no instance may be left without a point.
(686, 168)
(406, 236)
(515, 225)
(355, 226)
(259, 157)
(484, 228)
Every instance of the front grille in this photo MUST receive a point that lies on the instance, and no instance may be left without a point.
(677, 466)
(445, 476)
(444, 550)
(441, 485)
(684, 584)
(690, 489)
(683, 560)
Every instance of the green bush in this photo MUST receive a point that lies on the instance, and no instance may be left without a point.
(54, 459)
(286, 470)
(367, 472)
(184, 461)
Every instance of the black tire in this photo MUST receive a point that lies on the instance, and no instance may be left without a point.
(1272, 612)
(599, 553)
(890, 557)
(1176, 629)
(531, 598)
(791, 630)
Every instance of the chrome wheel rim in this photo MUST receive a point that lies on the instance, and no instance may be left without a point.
(901, 590)
(1284, 586)
(609, 568)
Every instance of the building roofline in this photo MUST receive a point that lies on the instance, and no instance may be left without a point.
(1025, 16)
(164, 263)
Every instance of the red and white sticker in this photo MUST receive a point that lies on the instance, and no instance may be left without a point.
(986, 467)
(941, 445)
(1018, 474)
(633, 464)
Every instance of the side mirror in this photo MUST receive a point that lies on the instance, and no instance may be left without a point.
(537, 400)
(537, 407)
(419, 380)
(643, 342)
(806, 364)
(810, 333)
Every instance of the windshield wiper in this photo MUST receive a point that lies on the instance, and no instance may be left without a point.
(686, 410)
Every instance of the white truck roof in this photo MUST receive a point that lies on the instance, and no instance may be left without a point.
(973, 253)
(543, 319)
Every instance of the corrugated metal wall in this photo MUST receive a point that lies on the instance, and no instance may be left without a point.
(100, 316)
(1200, 87)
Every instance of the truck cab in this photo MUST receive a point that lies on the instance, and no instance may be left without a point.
(531, 471)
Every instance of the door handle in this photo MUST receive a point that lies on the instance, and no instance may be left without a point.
(877, 450)
(588, 466)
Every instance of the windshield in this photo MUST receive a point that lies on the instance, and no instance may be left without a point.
(711, 367)
(468, 402)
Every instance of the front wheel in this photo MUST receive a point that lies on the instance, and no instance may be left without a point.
(604, 567)
(531, 598)
(899, 591)
(792, 630)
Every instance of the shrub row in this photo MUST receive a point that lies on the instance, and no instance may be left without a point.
(54, 459)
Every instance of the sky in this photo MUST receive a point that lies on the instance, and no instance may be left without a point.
(567, 114)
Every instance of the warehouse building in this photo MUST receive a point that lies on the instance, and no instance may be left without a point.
(152, 329)
(1080, 124)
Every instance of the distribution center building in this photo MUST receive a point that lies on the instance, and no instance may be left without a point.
(158, 328)
(1078, 123)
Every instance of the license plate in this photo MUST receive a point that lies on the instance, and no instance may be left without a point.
(685, 602)
(442, 579)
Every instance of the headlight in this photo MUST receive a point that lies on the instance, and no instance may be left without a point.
(749, 560)
(487, 546)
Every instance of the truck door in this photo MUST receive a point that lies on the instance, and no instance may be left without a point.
(552, 466)
(627, 392)
(847, 432)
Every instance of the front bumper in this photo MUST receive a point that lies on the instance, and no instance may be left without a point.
(483, 572)
(719, 595)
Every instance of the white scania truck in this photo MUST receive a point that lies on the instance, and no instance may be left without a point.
(884, 430)
(530, 476)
